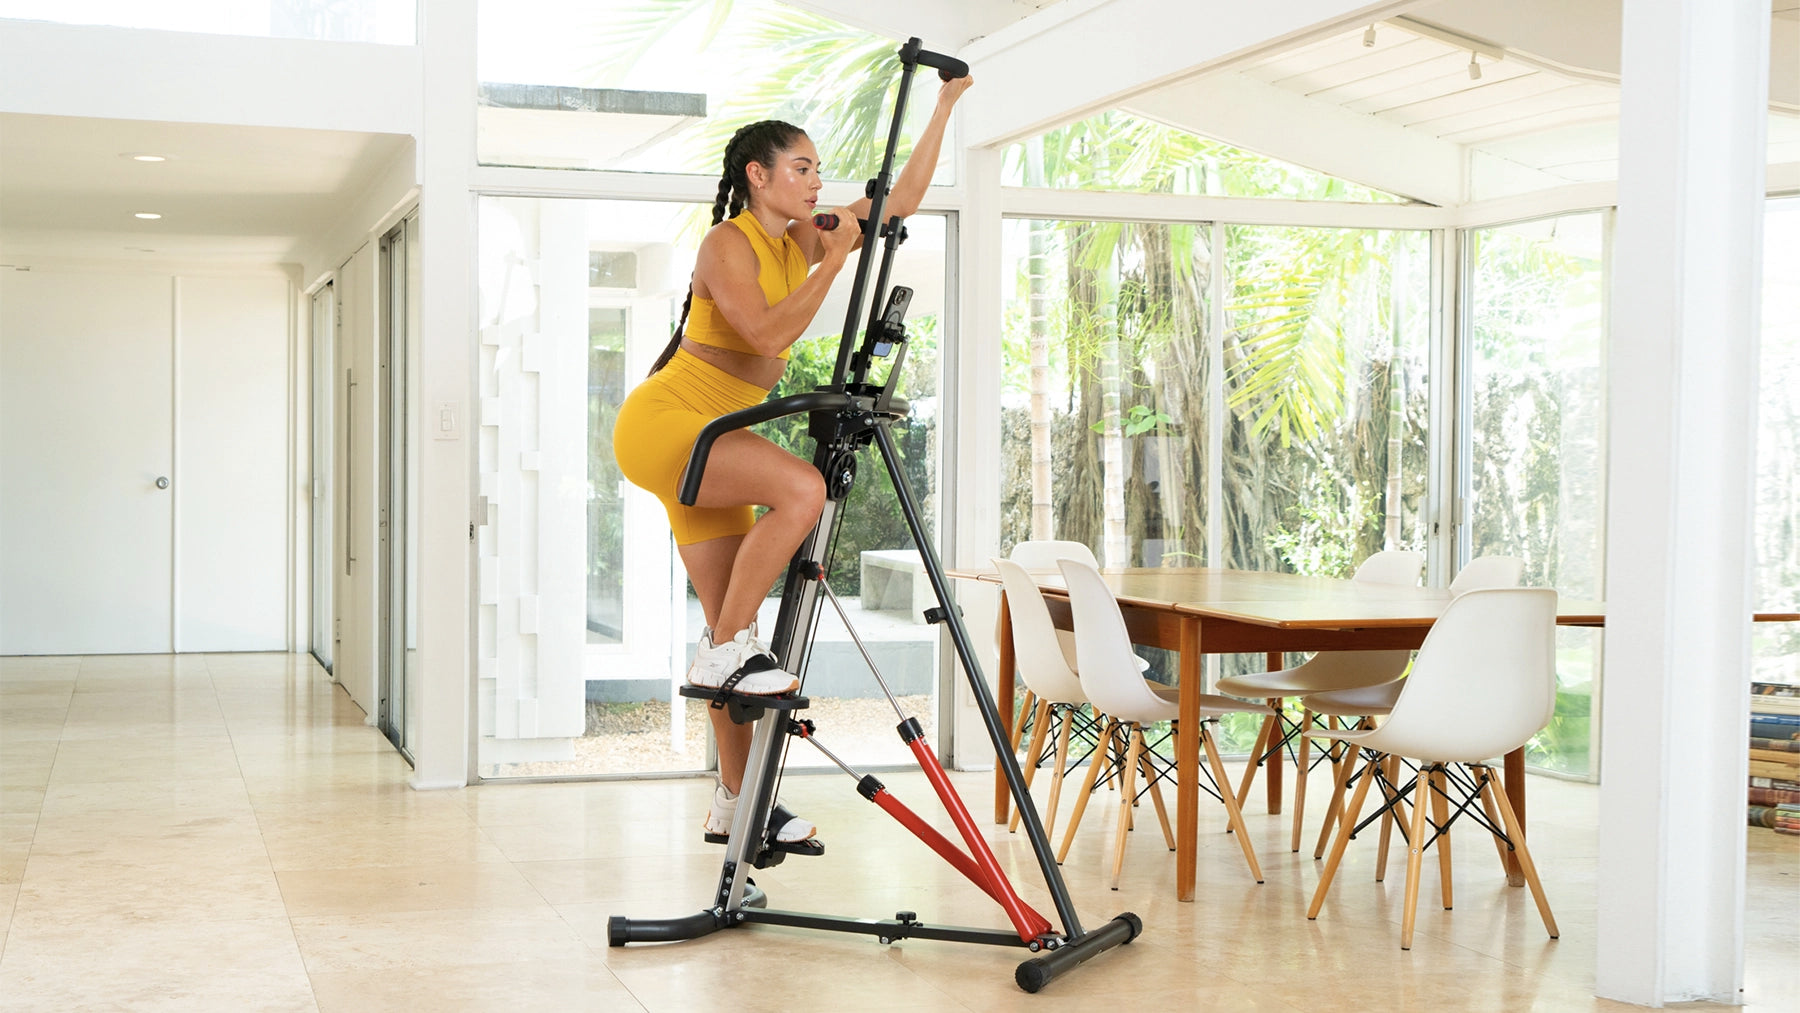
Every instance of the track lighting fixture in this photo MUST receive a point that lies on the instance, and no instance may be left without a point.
(1369, 37)
(1474, 67)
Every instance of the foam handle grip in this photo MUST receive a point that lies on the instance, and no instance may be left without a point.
(949, 68)
(828, 221)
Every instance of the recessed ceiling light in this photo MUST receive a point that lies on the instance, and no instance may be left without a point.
(148, 215)
(143, 156)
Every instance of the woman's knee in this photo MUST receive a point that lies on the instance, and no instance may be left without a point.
(803, 495)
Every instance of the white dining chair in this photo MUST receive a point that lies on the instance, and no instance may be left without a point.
(1358, 707)
(1483, 684)
(1327, 670)
(1109, 676)
(1039, 554)
(1045, 665)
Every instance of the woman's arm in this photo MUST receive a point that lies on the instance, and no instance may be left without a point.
(908, 190)
(725, 272)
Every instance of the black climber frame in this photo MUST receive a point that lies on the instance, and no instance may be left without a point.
(846, 416)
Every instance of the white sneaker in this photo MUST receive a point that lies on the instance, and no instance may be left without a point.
(791, 829)
(741, 665)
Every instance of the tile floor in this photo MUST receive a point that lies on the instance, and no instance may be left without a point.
(224, 832)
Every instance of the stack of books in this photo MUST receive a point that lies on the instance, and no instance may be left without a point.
(1775, 756)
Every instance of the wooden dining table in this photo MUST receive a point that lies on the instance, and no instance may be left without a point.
(1199, 611)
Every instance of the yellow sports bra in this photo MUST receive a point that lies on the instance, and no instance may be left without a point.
(780, 269)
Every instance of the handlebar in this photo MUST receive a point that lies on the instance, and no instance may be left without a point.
(780, 407)
(949, 68)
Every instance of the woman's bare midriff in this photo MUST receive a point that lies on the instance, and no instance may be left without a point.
(761, 370)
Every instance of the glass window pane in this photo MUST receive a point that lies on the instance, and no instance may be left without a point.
(1327, 349)
(621, 85)
(1777, 645)
(586, 621)
(1118, 151)
(386, 21)
(1105, 396)
(1537, 417)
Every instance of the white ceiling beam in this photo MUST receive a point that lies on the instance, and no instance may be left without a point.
(1085, 56)
(1249, 114)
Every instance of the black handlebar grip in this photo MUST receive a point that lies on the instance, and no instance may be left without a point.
(949, 68)
(780, 407)
(828, 221)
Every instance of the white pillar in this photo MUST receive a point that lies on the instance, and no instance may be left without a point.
(972, 385)
(447, 236)
(1679, 576)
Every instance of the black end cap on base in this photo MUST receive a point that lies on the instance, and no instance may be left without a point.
(1039, 971)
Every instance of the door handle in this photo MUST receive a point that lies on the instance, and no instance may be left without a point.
(162, 481)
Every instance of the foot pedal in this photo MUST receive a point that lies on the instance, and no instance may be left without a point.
(810, 846)
(744, 708)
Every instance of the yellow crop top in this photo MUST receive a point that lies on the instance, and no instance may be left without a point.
(780, 269)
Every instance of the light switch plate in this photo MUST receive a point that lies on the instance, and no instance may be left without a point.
(445, 424)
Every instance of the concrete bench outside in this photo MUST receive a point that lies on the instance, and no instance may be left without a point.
(894, 580)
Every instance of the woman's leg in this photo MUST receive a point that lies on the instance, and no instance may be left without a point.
(732, 575)
(709, 569)
(746, 469)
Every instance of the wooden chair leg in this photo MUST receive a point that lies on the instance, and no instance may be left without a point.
(1389, 765)
(1343, 764)
(1126, 784)
(1162, 812)
(1256, 754)
(1027, 706)
(1415, 859)
(1440, 812)
(1095, 762)
(1066, 717)
(1346, 823)
(1040, 725)
(1232, 811)
(1493, 815)
(1306, 719)
(1516, 832)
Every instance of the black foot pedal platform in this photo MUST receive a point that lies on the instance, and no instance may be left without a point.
(745, 708)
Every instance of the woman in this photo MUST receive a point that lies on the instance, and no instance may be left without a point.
(752, 297)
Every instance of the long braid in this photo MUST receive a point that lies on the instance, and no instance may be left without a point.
(759, 142)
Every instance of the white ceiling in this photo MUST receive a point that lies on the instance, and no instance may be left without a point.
(226, 194)
(1402, 114)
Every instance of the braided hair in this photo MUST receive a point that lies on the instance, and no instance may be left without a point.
(761, 142)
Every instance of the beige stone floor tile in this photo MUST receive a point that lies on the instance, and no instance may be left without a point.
(169, 963)
(217, 886)
(443, 886)
(312, 844)
(20, 800)
(429, 940)
(16, 833)
(59, 668)
(27, 763)
(9, 895)
(479, 987)
(129, 760)
(193, 797)
(149, 838)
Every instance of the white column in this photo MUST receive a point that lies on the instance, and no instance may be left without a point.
(447, 234)
(1685, 320)
(972, 386)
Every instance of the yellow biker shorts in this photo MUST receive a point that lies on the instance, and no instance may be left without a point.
(655, 432)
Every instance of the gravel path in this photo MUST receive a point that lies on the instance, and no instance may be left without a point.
(633, 738)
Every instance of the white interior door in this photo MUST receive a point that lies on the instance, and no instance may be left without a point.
(324, 455)
(357, 384)
(86, 422)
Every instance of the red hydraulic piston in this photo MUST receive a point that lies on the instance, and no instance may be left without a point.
(1029, 923)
